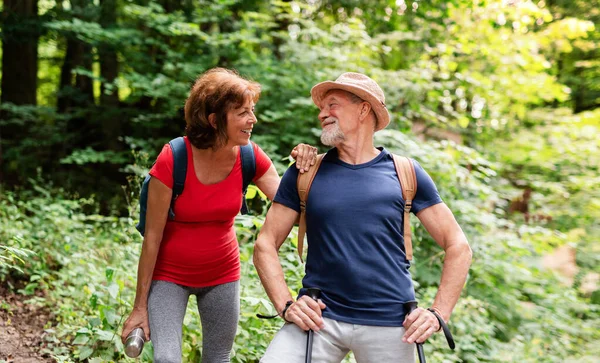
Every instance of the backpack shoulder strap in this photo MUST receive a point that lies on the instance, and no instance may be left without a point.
(408, 181)
(248, 171)
(303, 184)
(180, 158)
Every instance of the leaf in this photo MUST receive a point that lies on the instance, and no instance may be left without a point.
(105, 335)
(94, 301)
(111, 316)
(94, 322)
(85, 352)
(81, 339)
(109, 272)
(251, 192)
(83, 331)
(113, 290)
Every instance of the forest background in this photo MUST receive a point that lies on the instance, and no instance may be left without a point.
(498, 100)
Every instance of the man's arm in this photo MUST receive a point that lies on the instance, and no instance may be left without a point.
(305, 312)
(439, 221)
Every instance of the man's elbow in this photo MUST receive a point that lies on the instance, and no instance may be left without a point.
(459, 249)
(468, 252)
(463, 251)
(262, 248)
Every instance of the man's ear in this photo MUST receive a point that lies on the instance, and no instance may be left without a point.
(212, 119)
(365, 108)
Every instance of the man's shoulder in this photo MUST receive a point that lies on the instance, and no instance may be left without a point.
(290, 173)
(331, 155)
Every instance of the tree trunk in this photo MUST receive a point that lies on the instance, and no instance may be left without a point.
(19, 64)
(109, 64)
(19, 52)
(76, 90)
(109, 71)
(63, 102)
(83, 83)
(280, 33)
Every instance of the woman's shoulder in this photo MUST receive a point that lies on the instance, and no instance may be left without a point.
(258, 151)
(165, 155)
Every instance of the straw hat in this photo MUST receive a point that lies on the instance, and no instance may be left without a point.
(360, 85)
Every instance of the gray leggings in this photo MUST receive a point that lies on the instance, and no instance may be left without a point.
(219, 308)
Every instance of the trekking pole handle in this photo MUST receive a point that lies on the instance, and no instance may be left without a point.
(411, 306)
(314, 294)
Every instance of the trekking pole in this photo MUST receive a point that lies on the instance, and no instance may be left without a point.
(411, 306)
(314, 294)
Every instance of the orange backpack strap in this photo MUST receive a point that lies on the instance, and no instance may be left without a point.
(408, 181)
(303, 183)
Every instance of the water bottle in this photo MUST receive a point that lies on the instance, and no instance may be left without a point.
(134, 344)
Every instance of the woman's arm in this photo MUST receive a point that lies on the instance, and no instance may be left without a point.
(305, 156)
(269, 182)
(159, 200)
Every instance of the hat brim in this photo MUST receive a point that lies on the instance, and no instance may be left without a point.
(319, 91)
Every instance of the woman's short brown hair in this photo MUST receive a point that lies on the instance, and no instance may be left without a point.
(217, 91)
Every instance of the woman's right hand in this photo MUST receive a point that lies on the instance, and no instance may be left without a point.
(305, 156)
(137, 319)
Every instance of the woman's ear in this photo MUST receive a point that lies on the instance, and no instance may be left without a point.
(212, 119)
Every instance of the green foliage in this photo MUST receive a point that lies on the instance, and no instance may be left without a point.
(500, 78)
(444, 65)
(90, 261)
(12, 257)
(89, 155)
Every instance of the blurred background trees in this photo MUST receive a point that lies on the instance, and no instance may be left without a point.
(499, 100)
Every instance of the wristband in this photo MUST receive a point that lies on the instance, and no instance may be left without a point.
(445, 328)
(437, 316)
(285, 309)
(287, 305)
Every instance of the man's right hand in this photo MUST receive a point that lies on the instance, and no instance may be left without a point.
(137, 319)
(306, 313)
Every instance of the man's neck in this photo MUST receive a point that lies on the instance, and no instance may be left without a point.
(358, 151)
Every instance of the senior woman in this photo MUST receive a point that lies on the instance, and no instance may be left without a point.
(197, 253)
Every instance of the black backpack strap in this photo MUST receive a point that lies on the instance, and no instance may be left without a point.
(248, 171)
(179, 150)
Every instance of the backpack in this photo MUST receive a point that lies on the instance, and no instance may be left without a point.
(180, 158)
(408, 180)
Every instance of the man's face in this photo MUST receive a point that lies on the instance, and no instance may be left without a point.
(338, 115)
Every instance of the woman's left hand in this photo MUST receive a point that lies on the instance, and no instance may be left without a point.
(305, 156)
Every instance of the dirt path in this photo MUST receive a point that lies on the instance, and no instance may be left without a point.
(21, 329)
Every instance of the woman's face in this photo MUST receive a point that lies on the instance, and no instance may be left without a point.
(240, 122)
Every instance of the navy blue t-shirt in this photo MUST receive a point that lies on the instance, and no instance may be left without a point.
(354, 227)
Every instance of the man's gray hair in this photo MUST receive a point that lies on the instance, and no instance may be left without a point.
(353, 98)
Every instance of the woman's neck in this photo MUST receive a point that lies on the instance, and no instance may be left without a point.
(216, 154)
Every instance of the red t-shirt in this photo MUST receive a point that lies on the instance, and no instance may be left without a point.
(199, 248)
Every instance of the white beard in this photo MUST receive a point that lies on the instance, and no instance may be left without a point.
(332, 135)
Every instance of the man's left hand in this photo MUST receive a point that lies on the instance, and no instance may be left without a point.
(419, 325)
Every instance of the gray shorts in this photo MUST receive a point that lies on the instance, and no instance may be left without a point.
(369, 344)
